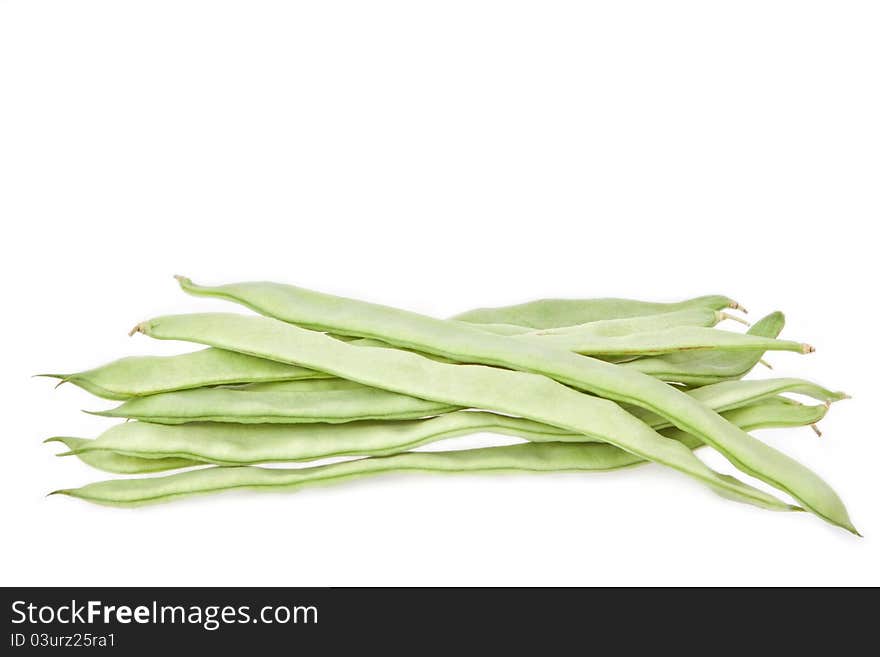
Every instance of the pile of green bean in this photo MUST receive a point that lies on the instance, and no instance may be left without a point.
(587, 385)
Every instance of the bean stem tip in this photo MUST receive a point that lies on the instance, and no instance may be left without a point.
(138, 328)
(723, 316)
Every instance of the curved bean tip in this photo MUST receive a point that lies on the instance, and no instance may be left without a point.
(60, 491)
(766, 364)
(64, 377)
(816, 430)
(851, 529)
(185, 282)
(847, 525)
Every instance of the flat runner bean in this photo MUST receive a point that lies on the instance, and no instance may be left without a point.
(276, 403)
(549, 313)
(118, 463)
(348, 401)
(139, 376)
(666, 341)
(234, 444)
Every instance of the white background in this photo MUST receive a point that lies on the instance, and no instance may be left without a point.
(436, 156)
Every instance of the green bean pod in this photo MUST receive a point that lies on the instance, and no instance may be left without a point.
(339, 400)
(730, 395)
(671, 340)
(276, 403)
(526, 457)
(550, 313)
(139, 376)
(117, 463)
(612, 328)
(236, 444)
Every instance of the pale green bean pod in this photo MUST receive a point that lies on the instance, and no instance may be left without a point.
(730, 395)
(526, 457)
(550, 313)
(117, 463)
(139, 376)
(277, 403)
(612, 328)
(236, 444)
(667, 341)
(338, 400)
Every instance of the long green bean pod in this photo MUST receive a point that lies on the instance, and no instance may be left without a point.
(278, 403)
(671, 340)
(139, 376)
(338, 400)
(236, 444)
(549, 313)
